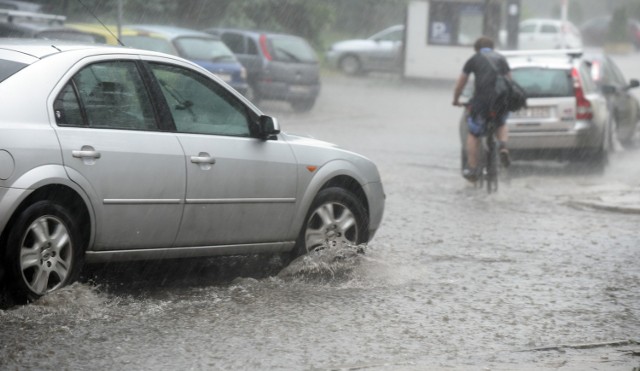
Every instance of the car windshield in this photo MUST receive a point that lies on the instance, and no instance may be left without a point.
(292, 49)
(149, 43)
(202, 48)
(8, 68)
(544, 82)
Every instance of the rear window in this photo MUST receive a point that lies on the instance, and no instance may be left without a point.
(8, 68)
(204, 49)
(149, 43)
(544, 82)
(292, 49)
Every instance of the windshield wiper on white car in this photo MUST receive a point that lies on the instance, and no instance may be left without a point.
(183, 104)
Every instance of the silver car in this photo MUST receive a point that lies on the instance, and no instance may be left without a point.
(380, 52)
(566, 117)
(111, 153)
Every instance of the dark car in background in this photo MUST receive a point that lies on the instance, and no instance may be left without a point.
(201, 48)
(33, 25)
(623, 105)
(279, 66)
(594, 31)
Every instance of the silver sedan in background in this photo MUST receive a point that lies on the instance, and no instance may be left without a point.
(380, 52)
(110, 153)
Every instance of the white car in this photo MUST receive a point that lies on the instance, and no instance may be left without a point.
(110, 153)
(548, 34)
(380, 52)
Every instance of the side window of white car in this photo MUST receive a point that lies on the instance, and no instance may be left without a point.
(549, 29)
(198, 105)
(527, 28)
(111, 95)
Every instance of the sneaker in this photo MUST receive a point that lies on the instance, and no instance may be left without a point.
(470, 174)
(505, 159)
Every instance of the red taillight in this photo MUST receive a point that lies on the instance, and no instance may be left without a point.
(264, 48)
(584, 111)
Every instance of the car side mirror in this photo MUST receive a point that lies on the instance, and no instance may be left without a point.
(633, 83)
(268, 126)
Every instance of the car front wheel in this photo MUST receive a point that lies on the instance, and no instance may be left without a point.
(351, 65)
(44, 251)
(335, 219)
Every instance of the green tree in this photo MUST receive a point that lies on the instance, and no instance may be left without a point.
(618, 26)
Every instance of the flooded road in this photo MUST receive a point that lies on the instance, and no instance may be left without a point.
(454, 279)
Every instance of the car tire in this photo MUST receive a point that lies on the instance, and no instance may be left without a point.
(336, 218)
(44, 251)
(351, 65)
(303, 105)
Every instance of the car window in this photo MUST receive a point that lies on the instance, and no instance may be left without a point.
(202, 48)
(544, 82)
(111, 94)
(199, 105)
(527, 28)
(588, 85)
(395, 35)
(548, 28)
(617, 75)
(252, 47)
(292, 49)
(8, 68)
(148, 43)
(235, 42)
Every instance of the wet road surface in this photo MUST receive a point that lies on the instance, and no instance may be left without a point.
(454, 279)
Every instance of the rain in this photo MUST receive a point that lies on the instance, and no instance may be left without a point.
(542, 274)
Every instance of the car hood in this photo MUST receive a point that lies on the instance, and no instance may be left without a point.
(320, 153)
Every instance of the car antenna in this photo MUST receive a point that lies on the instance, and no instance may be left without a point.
(99, 21)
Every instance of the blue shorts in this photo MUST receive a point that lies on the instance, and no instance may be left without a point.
(477, 123)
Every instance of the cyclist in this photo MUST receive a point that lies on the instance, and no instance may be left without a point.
(483, 64)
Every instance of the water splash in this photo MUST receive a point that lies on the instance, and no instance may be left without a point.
(325, 264)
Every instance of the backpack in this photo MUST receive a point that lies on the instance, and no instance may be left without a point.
(507, 94)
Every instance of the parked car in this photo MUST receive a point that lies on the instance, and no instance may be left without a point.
(594, 31)
(566, 117)
(548, 34)
(279, 66)
(623, 105)
(199, 47)
(33, 25)
(43, 31)
(380, 52)
(111, 153)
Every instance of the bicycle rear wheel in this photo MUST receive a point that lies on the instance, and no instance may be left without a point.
(492, 164)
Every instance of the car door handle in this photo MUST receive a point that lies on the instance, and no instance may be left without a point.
(85, 154)
(203, 160)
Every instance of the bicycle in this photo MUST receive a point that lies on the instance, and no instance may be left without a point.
(488, 157)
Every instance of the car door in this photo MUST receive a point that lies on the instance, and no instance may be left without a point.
(385, 54)
(246, 50)
(112, 147)
(240, 189)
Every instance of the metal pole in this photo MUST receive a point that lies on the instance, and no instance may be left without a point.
(119, 19)
(564, 12)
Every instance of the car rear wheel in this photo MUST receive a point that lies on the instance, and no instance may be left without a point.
(350, 64)
(303, 105)
(44, 251)
(335, 219)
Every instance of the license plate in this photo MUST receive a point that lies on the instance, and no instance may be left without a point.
(225, 77)
(298, 89)
(531, 113)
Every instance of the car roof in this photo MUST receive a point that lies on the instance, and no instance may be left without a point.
(40, 48)
(170, 32)
(253, 33)
(562, 59)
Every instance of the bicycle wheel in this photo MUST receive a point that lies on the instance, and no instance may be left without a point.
(492, 163)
